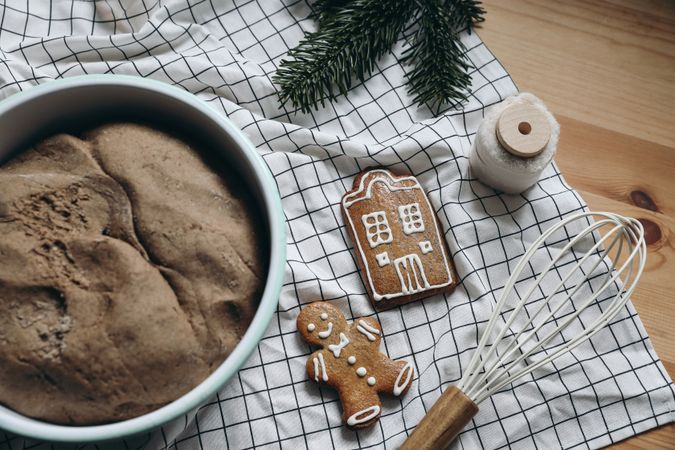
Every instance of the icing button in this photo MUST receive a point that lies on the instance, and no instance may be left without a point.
(351, 360)
(361, 371)
(311, 327)
(371, 381)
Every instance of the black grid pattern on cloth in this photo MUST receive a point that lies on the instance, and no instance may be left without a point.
(225, 52)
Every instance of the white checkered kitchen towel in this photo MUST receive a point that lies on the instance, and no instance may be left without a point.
(225, 52)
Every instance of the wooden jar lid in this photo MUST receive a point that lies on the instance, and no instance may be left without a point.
(523, 130)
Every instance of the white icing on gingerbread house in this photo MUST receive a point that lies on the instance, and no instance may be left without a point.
(396, 236)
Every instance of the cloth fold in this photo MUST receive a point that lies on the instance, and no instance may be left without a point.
(226, 52)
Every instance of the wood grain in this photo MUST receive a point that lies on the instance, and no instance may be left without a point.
(445, 420)
(607, 71)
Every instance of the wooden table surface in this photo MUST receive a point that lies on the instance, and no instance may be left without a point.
(606, 68)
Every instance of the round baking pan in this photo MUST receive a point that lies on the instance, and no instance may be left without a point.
(79, 102)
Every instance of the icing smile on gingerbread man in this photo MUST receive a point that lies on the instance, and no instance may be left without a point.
(350, 361)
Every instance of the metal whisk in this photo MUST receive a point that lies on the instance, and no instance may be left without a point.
(521, 335)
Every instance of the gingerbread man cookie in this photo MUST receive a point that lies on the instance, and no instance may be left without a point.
(400, 249)
(350, 361)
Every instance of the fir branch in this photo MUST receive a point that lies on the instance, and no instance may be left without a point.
(325, 8)
(354, 34)
(465, 13)
(323, 5)
(439, 75)
(348, 43)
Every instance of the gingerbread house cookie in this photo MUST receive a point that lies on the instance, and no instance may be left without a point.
(400, 249)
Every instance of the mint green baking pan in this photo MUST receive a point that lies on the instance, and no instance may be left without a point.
(57, 105)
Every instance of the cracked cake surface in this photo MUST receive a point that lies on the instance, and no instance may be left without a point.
(129, 269)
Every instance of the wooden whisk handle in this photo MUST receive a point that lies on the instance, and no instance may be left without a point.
(444, 421)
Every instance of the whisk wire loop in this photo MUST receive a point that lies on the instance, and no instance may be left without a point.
(488, 371)
(561, 304)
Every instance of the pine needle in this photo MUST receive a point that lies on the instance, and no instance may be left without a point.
(354, 34)
(440, 73)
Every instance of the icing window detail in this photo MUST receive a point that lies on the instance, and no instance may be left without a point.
(382, 259)
(363, 416)
(411, 218)
(403, 378)
(324, 334)
(426, 247)
(377, 228)
(337, 348)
